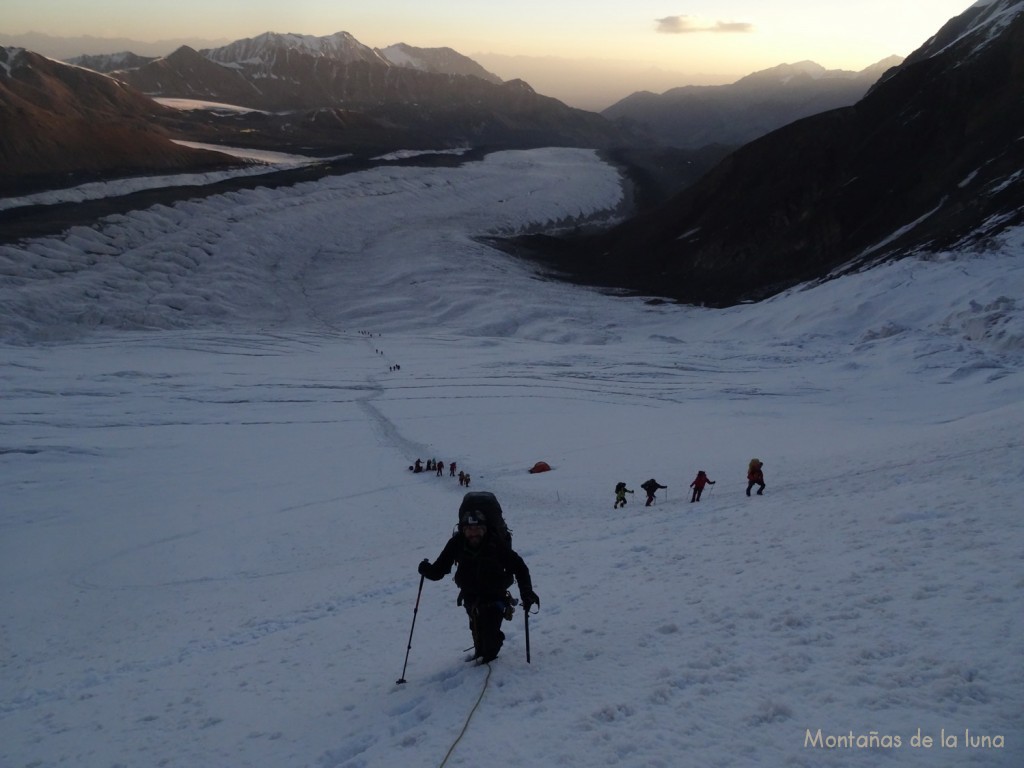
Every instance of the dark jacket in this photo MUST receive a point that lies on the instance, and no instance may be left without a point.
(483, 572)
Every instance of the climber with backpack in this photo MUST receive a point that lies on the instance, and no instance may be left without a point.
(755, 476)
(485, 567)
(620, 495)
(651, 486)
(698, 484)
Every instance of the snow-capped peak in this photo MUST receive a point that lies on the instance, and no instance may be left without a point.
(264, 48)
(439, 60)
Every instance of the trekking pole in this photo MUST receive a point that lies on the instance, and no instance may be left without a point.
(526, 624)
(415, 610)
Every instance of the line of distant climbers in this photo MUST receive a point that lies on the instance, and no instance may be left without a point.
(437, 467)
(755, 476)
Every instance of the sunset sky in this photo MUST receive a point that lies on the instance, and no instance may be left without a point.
(708, 40)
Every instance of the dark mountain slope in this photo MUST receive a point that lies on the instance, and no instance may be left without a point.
(187, 74)
(61, 124)
(930, 158)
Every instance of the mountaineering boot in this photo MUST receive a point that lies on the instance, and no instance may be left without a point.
(492, 654)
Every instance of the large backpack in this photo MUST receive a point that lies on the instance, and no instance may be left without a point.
(620, 487)
(650, 486)
(485, 504)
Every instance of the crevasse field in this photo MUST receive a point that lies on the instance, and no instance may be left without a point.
(209, 532)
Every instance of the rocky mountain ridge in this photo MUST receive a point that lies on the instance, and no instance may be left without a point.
(417, 97)
(695, 116)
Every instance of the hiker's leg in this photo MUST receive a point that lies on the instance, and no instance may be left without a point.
(474, 626)
(488, 629)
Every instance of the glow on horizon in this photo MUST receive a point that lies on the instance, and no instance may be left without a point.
(732, 38)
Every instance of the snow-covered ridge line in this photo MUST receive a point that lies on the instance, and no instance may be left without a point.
(262, 48)
(991, 17)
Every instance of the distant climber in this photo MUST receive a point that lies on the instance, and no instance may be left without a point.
(651, 487)
(620, 495)
(755, 476)
(698, 484)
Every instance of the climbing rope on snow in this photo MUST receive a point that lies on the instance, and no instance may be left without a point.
(465, 725)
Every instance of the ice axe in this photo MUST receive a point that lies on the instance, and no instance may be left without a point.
(526, 627)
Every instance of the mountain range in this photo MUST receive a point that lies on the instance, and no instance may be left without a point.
(696, 116)
(276, 72)
(331, 95)
(326, 95)
(341, 94)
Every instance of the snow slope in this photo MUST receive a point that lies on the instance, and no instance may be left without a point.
(209, 533)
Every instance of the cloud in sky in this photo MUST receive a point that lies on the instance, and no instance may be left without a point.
(681, 25)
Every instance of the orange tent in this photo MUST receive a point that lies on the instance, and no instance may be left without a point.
(540, 466)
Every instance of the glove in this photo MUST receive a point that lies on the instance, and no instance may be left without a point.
(528, 599)
(423, 567)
